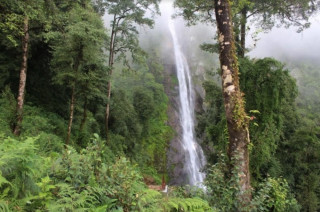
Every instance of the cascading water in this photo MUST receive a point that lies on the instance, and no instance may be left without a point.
(194, 157)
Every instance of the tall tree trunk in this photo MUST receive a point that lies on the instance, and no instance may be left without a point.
(233, 101)
(243, 23)
(108, 108)
(76, 66)
(23, 77)
(71, 114)
(111, 60)
(84, 117)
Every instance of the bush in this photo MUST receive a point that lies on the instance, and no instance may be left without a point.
(273, 195)
(20, 169)
(125, 183)
(8, 111)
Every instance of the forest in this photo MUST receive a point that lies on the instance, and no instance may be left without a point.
(150, 105)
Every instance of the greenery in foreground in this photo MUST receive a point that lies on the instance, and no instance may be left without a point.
(39, 173)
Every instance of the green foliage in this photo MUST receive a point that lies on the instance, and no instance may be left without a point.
(149, 200)
(43, 198)
(73, 168)
(308, 100)
(39, 173)
(273, 194)
(13, 15)
(221, 187)
(212, 126)
(300, 156)
(269, 89)
(19, 171)
(187, 204)
(7, 116)
(123, 120)
(125, 184)
(126, 16)
(69, 199)
(143, 103)
(195, 11)
(4, 206)
(138, 119)
(211, 48)
(154, 201)
(77, 51)
(78, 58)
(37, 121)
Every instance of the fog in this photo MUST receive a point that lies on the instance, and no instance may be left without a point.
(284, 44)
(190, 39)
(288, 45)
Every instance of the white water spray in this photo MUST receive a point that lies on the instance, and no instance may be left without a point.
(194, 157)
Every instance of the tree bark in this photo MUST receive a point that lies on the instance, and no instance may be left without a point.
(23, 77)
(243, 23)
(108, 108)
(237, 121)
(71, 114)
(84, 117)
(73, 93)
(111, 60)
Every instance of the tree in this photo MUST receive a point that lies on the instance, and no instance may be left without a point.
(271, 91)
(300, 157)
(16, 25)
(237, 121)
(126, 15)
(78, 57)
(265, 14)
(23, 75)
(236, 117)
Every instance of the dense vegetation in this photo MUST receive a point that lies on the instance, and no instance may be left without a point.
(284, 134)
(68, 142)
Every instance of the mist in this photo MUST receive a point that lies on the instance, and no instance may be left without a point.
(287, 45)
(283, 44)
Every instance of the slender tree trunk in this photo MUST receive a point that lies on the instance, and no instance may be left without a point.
(111, 60)
(233, 101)
(243, 32)
(84, 117)
(23, 77)
(71, 114)
(73, 93)
(108, 107)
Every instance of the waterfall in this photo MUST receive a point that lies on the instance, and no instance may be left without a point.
(194, 157)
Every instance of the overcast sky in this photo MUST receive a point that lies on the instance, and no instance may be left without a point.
(280, 43)
(284, 43)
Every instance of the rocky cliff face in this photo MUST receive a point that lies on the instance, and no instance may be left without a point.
(175, 154)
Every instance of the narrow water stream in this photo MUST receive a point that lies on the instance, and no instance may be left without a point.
(194, 157)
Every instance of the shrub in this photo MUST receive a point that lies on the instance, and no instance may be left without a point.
(20, 169)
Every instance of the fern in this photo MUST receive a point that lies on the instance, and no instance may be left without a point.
(149, 200)
(19, 166)
(188, 204)
(108, 206)
(4, 206)
(70, 200)
(5, 188)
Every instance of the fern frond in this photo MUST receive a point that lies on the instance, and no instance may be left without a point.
(187, 204)
(4, 206)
